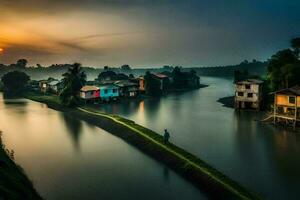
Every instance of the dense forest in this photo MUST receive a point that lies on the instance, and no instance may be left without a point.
(254, 67)
(39, 72)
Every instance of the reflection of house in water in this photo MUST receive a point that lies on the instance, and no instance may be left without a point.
(286, 105)
(248, 94)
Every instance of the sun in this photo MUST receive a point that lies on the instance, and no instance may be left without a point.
(1, 50)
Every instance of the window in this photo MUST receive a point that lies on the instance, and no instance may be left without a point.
(250, 95)
(248, 87)
(105, 91)
(114, 90)
(240, 94)
(292, 100)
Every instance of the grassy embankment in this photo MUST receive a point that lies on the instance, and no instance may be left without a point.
(14, 184)
(202, 175)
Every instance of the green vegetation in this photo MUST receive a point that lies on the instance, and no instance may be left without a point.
(189, 166)
(253, 67)
(183, 80)
(15, 82)
(73, 80)
(284, 67)
(177, 80)
(14, 184)
(152, 85)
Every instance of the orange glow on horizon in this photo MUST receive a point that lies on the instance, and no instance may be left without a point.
(1, 50)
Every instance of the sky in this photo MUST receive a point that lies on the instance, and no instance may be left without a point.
(145, 33)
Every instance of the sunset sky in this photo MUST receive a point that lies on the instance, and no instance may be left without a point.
(145, 33)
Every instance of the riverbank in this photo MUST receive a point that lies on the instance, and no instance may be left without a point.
(227, 101)
(216, 184)
(14, 184)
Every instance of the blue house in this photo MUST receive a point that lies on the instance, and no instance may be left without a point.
(109, 92)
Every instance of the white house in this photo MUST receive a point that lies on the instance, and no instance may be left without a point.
(248, 94)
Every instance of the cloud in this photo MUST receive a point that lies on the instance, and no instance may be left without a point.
(147, 32)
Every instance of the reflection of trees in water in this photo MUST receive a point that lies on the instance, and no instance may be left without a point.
(74, 127)
(286, 151)
(265, 145)
(17, 105)
(166, 174)
(151, 107)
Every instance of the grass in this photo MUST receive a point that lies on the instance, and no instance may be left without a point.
(189, 166)
(14, 184)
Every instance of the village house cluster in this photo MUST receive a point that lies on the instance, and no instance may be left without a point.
(109, 86)
(286, 108)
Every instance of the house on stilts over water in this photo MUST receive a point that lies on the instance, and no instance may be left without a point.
(287, 106)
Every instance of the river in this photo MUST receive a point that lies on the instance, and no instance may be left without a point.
(71, 159)
(263, 158)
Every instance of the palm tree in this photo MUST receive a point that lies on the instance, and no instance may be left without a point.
(73, 80)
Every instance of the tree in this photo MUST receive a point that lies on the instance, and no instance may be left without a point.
(240, 75)
(131, 76)
(290, 75)
(39, 66)
(179, 78)
(21, 63)
(295, 43)
(73, 80)
(106, 68)
(107, 75)
(125, 67)
(279, 64)
(15, 83)
(152, 85)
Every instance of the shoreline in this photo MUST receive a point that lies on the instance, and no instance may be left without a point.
(227, 101)
(14, 183)
(214, 183)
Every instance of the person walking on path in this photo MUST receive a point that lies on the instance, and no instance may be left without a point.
(166, 136)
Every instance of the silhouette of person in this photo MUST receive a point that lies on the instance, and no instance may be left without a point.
(166, 136)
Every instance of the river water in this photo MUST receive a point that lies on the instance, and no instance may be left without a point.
(71, 159)
(263, 158)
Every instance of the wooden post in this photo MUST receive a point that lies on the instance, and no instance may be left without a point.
(295, 122)
(274, 107)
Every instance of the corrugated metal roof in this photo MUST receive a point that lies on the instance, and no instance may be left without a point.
(108, 86)
(250, 81)
(161, 76)
(295, 90)
(87, 88)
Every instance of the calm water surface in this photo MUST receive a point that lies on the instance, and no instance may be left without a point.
(71, 159)
(263, 158)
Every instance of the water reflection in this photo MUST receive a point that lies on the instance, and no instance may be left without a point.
(74, 128)
(260, 156)
(94, 165)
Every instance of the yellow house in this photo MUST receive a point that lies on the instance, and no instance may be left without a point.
(287, 105)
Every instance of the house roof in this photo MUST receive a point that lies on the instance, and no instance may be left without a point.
(290, 91)
(161, 76)
(250, 81)
(107, 86)
(125, 83)
(87, 88)
(54, 82)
